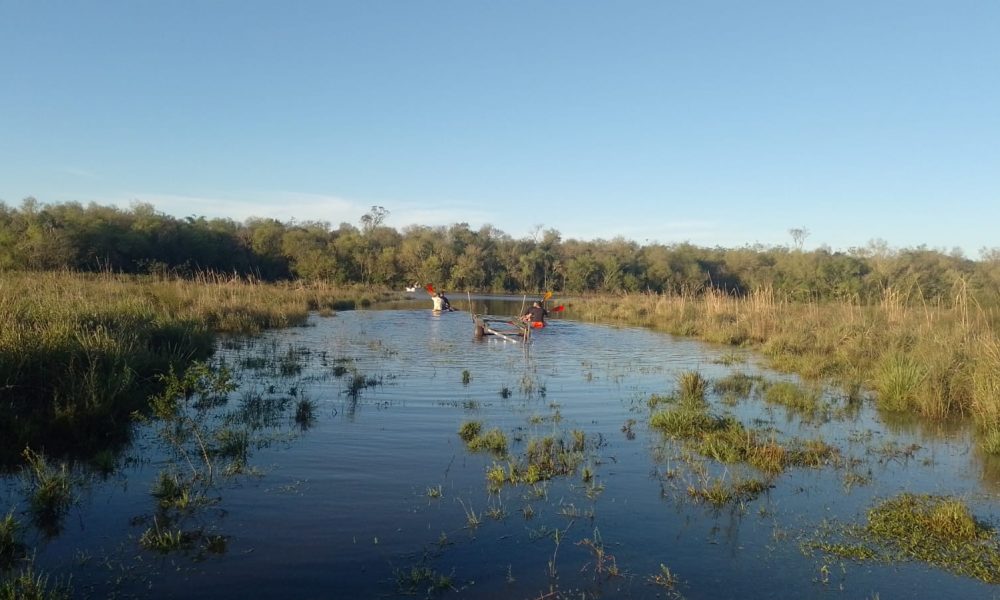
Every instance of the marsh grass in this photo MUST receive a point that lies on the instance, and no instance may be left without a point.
(726, 440)
(305, 413)
(421, 579)
(28, 584)
(493, 440)
(164, 540)
(80, 352)
(12, 545)
(603, 563)
(476, 440)
(544, 458)
(719, 492)
(470, 430)
(473, 519)
(897, 381)
(937, 530)
(360, 382)
(665, 579)
(691, 387)
(739, 385)
(932, 359)
(50, 489)
(804, 402)
(171, 492)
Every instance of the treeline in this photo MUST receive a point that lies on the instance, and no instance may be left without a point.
(141, 240)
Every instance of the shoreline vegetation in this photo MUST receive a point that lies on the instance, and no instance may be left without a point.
(938, 361)
(80, 352)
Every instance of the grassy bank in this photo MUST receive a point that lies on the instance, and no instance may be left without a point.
(79, 352)
(937, 361)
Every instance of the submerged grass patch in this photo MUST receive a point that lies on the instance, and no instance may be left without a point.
(493, 440)
(719, 493)
(739, 385)
(50, 488)
(31, 585)
(544, 458)
(793, 397)
(11, 544)
(726, 440)
(421, 579)
(937, 530)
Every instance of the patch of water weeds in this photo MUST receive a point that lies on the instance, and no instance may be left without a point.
(205, 444)
(421, 579)
(493, 440)
(726, 440)
(29, 584)
(736, 386)
(12, 545)
(937, 530)
(544, 458)
(49, 489)
(719, 492)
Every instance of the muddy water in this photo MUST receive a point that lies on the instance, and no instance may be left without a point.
(344, 507)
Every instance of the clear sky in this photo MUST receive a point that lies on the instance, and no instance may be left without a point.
(718, 123)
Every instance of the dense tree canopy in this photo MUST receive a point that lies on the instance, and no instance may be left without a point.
(142, 240)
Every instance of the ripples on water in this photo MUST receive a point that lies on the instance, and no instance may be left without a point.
(341, 509)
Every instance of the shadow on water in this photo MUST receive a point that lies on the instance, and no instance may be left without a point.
(335, 468)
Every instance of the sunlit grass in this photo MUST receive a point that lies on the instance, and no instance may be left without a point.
(937, 530)
(79, 352)
(934, 360)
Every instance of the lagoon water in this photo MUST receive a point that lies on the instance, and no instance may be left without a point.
(343, 509)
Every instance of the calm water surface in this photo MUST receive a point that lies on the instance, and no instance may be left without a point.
(341, 508)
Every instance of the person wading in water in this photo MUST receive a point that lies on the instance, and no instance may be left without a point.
(440, 302)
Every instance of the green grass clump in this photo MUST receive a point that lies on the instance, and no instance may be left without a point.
(811, 453)
(305, 413)
(739, 385)
(492, 440)
(470, 430)
(691, 387)
(50, 488)
(793, 397)
(163, 540)
(11, 545)
(422, 580)
(687, 422)
(171, 492)
(726, 440)
(544, 458)
(989, 440)
(897, 382)
(718, 493)
(937, 530)
(29, 585)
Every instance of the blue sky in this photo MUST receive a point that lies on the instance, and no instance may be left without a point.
(718, 123)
